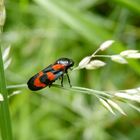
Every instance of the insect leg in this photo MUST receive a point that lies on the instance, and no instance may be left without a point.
(68, 79)
(50, 84)
(62, 80)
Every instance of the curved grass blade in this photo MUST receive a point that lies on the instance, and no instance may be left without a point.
(84, 25)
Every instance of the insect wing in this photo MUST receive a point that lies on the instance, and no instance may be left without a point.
(48, 69)
(34, 82)
(51, 73)
(44, 78)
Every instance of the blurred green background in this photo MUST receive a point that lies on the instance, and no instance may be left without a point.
(41, 31)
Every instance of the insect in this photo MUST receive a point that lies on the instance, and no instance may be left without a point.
(51, 73)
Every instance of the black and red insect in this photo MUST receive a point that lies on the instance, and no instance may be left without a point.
(51, 73)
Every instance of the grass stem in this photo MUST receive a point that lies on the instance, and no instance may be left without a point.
(5, 122)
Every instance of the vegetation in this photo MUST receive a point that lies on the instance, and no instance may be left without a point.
(38, 32)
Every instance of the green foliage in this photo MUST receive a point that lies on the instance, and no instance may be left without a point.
(41, 31)
(5, 121)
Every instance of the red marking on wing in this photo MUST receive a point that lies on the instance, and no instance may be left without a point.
(37, 81)
(50, 76)
(58, 67)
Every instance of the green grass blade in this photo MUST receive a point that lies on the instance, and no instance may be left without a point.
(5, 122)
(89, 28)
(75, 19)
(132, 5)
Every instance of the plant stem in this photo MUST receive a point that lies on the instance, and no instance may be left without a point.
(84, 90)
(73, 88)
(4, 109)
(17, 86)
(5, 122)
(105, 56)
